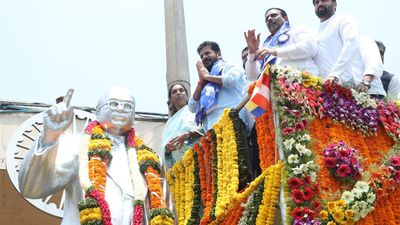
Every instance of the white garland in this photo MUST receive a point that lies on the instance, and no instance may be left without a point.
(139, 186)
(83, 163)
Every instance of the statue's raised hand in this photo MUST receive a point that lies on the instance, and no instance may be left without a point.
(57, 119)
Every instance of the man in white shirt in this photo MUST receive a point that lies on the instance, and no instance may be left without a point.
(286, 45)
(368, 70)
(340, 56)
(391, 82)
(337, 42)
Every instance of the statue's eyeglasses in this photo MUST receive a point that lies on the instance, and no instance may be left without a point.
(114, 104)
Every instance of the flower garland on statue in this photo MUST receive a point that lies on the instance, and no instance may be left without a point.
(94, 157)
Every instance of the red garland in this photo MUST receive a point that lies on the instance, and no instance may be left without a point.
(105, 211)
(130, 139)
(138, 215)
(90, 126)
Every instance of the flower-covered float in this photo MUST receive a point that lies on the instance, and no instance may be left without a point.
(328, 154)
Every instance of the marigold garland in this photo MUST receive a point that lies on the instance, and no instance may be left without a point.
(227, 204)
(266, 139)
(209, 149)
(241, 148)
(150, 167)
(266, 211)
(202, 167)
(96, 147)
(228, 171)
(234, 215)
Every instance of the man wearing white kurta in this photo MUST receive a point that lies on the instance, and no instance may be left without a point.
(291, 46)
(338, 44)
(340, 56)
(53, 162)
(369, 68)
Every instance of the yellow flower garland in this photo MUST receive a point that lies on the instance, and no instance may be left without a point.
(228, 171)
(144, 155)
(181, 180)
(272, 184)
(90, 214)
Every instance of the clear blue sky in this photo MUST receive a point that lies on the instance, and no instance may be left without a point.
(47, 46)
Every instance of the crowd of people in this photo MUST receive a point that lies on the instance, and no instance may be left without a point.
(337, 53)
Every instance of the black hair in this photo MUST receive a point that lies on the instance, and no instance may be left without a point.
(172, 85)
(171, 108)
(214, 46)
(245, 49)
(380, 46)
(283, 13)
(313, 1)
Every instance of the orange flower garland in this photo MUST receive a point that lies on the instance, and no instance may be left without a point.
(97, 173)
(327, 131)
(234, 215)
(150, 167)
(266, 139)
(93, 160)
(208, 147)
(153, 181)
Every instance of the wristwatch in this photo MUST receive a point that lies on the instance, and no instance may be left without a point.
(366, 83)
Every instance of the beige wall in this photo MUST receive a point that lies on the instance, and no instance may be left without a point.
(14, 209)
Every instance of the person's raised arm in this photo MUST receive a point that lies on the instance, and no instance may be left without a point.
(252, 66)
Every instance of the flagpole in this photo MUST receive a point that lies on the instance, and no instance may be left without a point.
(242, 103)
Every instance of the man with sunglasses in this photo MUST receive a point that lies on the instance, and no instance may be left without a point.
(286, 45)
(52, 163)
